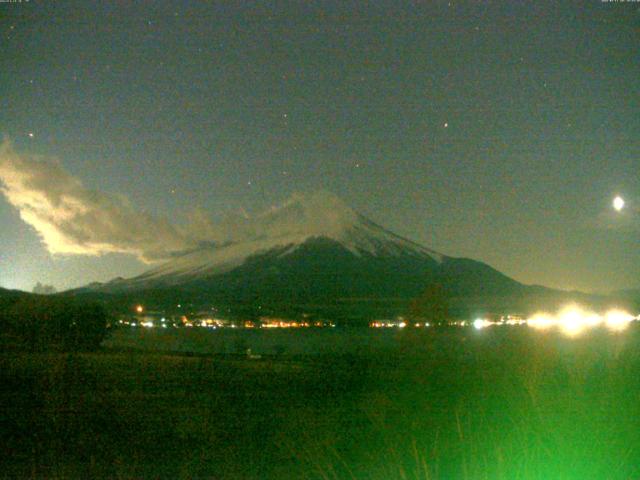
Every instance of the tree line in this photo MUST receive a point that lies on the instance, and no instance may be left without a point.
(40, 323)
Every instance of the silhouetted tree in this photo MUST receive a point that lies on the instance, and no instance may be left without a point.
(42, 323)
(85, 327)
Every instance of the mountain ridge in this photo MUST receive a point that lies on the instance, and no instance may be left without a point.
(316, 251)
(283, 229)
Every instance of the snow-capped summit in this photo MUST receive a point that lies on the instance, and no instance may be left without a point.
(317, 214)
(323, 214)
(320, 215)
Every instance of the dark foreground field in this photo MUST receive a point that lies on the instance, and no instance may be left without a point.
(503, 403)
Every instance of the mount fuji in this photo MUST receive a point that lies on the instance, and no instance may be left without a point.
(314, 250)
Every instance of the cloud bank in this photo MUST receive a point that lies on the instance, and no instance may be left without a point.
(72, 219)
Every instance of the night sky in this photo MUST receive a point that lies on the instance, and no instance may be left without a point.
(499, 131)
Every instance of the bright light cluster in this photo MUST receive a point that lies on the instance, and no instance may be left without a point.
(571, 321)
(618, 203)
(574, 320)
(480, 323)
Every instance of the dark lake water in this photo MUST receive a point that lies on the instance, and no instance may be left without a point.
(324, 341)
(344, 341)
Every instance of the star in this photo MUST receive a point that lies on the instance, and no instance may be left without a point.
(30, 134)
(446, 124)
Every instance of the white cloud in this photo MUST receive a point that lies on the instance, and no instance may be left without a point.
(71, 219)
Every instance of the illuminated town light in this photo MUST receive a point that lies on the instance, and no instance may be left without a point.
(592, 320)
(139, 308)
(618, 203)
(541, 321)
(572, 321)
(480, 323)
(617, 320)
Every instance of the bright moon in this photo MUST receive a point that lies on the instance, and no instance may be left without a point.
(618, 203)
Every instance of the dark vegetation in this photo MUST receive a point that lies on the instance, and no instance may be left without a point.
(41, 323)
(502, 403)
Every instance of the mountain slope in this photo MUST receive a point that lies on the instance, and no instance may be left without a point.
(320, 220)
(12, 293)
(314, 250)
